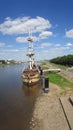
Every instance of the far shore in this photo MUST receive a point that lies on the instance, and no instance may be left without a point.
(10, 64)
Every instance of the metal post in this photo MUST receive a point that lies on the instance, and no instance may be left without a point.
(46, 84)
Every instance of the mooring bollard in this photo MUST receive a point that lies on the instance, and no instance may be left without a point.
(45, 84)
(41, 72)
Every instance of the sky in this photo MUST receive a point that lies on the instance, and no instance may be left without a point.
(49, 21)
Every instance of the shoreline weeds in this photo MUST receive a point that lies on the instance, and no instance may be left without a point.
(48, 113)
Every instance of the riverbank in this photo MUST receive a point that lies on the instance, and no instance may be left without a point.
(2, 65)
(48, 113)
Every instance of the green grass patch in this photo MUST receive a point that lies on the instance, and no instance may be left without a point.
(44, 67)
(59, 80)
(71, 70)
(2, 64)
(59, 66)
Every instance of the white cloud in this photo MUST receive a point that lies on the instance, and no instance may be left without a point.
(2, 53)
(69, 44)
(25, 39)
(2, 44)
(41, 36)
(9, 51)
(23, 25)
(57, 45)
(45, 45)
(22, 39)
(69, 33)
(45, 34)
(46, 51)
(62, 48)
(71, 51)
(9, 46)
(12, 50)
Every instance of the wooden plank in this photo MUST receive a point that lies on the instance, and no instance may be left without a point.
(71, 100)
(55, 70)
(68, 111)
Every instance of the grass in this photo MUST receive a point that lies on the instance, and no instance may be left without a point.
(45, 65)
(2, 64)
(71, 70)
(59, 66)
(59, 80)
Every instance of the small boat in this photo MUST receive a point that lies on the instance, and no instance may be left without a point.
(31, 74)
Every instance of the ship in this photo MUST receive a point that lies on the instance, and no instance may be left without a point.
(31, 74)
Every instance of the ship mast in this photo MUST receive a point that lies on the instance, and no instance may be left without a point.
(30, 51)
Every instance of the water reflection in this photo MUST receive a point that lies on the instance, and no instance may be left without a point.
(31, 90)
(30, 94)
(16, 100)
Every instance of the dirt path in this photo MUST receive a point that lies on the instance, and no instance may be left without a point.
(48, 113)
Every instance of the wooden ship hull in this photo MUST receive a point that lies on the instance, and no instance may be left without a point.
(31, 78)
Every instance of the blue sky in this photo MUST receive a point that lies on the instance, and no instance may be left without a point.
(51, 23)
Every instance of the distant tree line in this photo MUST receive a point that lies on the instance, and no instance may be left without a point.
(2, 61)
(7, 61)
(64, 60)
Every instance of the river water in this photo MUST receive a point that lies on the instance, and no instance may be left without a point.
(16, 100)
